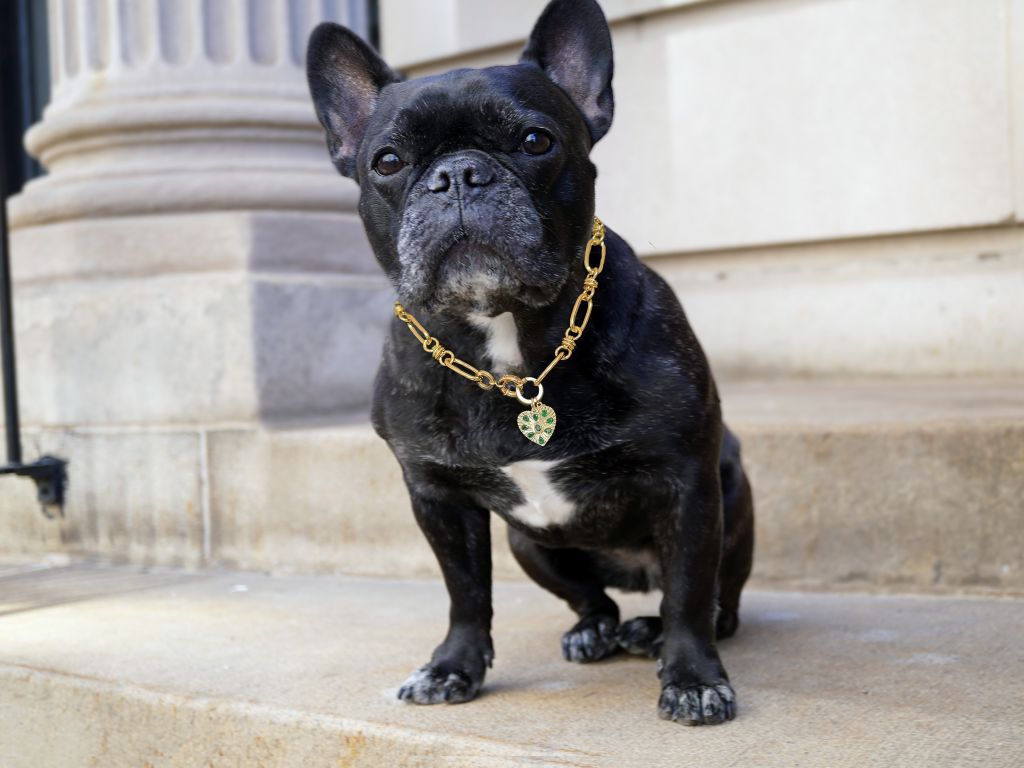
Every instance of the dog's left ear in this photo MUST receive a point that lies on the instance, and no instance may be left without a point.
(573, 46)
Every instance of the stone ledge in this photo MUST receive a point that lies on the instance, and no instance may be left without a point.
(274, 242)
(880, 485)
(52, 198)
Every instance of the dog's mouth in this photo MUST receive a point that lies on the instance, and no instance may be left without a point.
(466, 274)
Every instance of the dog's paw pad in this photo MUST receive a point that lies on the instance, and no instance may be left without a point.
(697, 705)
(592, 639)
(641, 636)
(437, 685)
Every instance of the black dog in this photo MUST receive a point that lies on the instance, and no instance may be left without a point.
(477, 194)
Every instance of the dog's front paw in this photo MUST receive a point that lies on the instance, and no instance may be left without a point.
(698, 704)
(439, 684)
(593, 638)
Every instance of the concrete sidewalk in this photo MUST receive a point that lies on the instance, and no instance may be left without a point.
(114, 667)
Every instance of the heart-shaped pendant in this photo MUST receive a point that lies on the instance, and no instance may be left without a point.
(538, 423)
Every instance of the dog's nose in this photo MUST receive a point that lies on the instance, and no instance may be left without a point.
(464, 170)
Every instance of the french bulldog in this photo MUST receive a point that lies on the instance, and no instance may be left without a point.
(477, 196)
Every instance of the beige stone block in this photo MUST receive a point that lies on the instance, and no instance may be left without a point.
(159, 349)
(937, 305)
(195, 348)
(132, 497)
(778, 121)
(930, 508)
(327, 499)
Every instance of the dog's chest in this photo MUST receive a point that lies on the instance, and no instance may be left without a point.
(545, 505)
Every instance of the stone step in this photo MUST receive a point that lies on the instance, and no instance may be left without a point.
(119, 667)
(912, 485)
(907, 485)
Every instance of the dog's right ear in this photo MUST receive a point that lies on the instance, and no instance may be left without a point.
(345, 79)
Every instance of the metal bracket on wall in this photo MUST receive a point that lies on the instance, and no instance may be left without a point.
(51, 477)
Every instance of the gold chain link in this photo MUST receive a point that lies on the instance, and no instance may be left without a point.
(510, 385)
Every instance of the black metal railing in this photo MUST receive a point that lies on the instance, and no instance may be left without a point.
(20, 61)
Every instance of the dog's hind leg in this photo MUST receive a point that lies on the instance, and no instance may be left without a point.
(737, 539)
(572, 575)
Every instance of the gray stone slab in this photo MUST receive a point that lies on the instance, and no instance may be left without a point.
(316, 345)
(244, 669)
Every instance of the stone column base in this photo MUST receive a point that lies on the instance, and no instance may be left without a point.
(197, 318)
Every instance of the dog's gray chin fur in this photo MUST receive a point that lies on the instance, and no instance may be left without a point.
(472, 277)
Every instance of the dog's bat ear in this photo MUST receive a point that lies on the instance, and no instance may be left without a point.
(345, 79)
(572, 44)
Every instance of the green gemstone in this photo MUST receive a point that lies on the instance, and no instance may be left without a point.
(547, 431)
(540, 441)
(544, 412)
(551, 421)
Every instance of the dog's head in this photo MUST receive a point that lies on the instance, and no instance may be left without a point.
(477, 191)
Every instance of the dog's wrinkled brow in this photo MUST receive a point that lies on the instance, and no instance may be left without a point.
(435, 113)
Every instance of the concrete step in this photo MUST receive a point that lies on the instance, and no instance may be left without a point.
(112, 667)
(910, 485)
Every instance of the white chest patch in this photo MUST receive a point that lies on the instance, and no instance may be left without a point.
(545, 505)
(502, 339)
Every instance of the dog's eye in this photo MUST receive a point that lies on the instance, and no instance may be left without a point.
(536, 143)
(388, 163)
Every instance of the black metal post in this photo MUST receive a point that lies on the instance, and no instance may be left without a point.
(11, 420)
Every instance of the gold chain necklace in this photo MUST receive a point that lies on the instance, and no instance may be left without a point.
(538, 423)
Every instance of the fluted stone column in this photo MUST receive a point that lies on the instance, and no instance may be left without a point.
(190, 262)
(162, 106)
(191, 254)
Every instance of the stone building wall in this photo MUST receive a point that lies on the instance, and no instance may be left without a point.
(833, 187)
